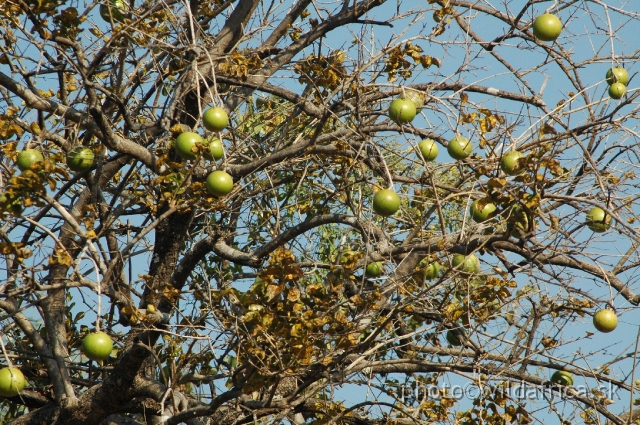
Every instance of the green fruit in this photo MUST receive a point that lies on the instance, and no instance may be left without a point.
(482, 210)
(27, 158)
(416, 97)
(617, 90)
(348, 257)
(386, 202)
(186, 145)
(215, 119)
(598, 220)
(219, 183)
(214, 149)
(113, 10)
(452, 339)
(430, 271)
(547, 27)
(428, 149)
(562, 377)
(466, 264)
(402, 111)
(374, 269)
(80, 159)
(617, 75)
(605, 320)
(459, 147)
(97, 346)
(511, 163)
(11, 381)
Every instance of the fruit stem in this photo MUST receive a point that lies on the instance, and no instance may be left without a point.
(4, 353)
(83, 254)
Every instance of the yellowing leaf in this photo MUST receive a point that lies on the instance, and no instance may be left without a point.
(438, 30)
(426, 61)
(128, 310)
(548, 342)
(340, 317)
(273, 291)
(293, 294)
(483, 126)
(12, 111)
(171, 293)
(546, 129)
(497, 183)
(297, 330)
(61, 257)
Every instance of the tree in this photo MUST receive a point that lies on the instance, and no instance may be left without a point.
(253, 306)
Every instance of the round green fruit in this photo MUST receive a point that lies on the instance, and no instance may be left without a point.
(452, 339)
(219, 183)
(375, 269)
(386, 202)
(511, 163)
(113, 11)
(186, 145)
(562, 377)
(347, 257)
(482, 211)
(80, 159)
(11, 381)
(605, 320)
(547, 27)
(97, 346)
(466, 264)
(459, 147)
(27, 158)
(402, 111)
(428, 149)
(215, 119)
(430, 271)
(617, 75)
(617, 90)
(214, 149)
(598, 220)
